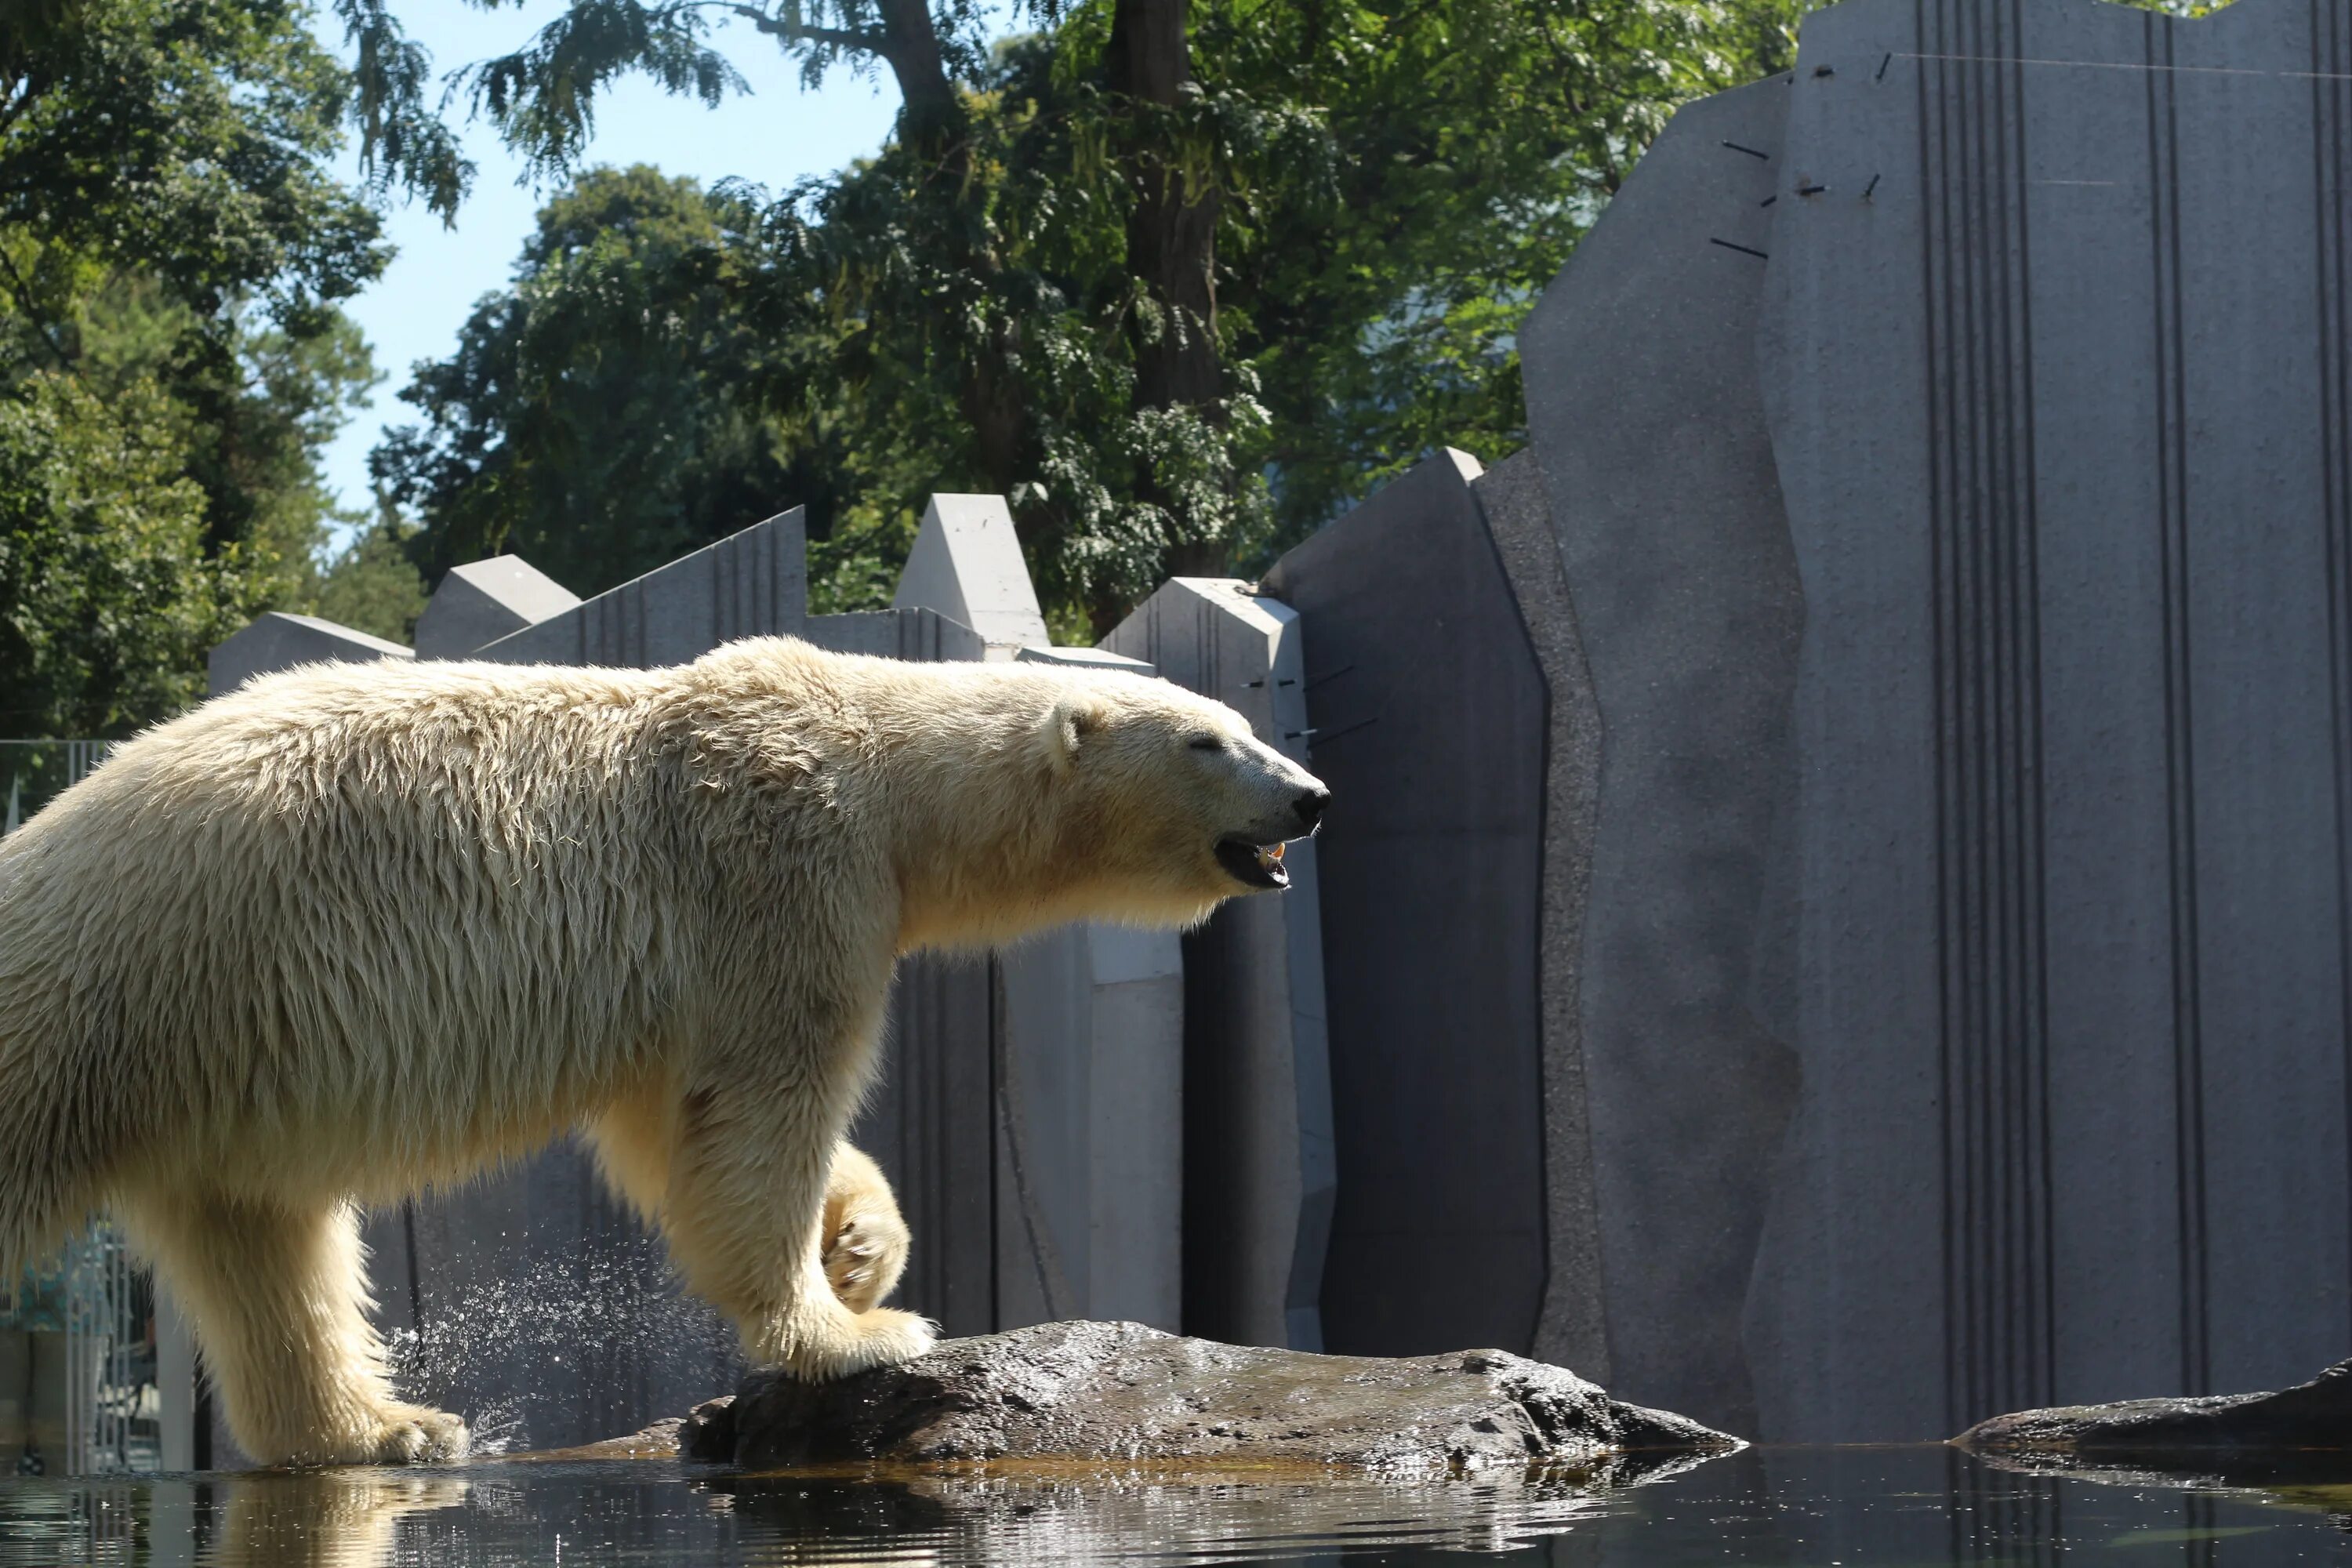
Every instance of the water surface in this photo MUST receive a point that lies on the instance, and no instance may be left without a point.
(1830, 1508)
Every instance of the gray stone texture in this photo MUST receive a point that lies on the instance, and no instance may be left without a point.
(1087, 1391)
(966, 564)
(747, 585)
(1090, 1127)
(1571, 1325)
(927, 1122)
(483, 601)
(1430, 718)
(2313, 1415)
(1258, 1177)
(2054, 354)
(275, 640)
(1645, 413)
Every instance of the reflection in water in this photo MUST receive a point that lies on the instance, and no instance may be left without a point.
(1920, 1507)
(2318, 1481)
(346, 1519)
(1062, 1519)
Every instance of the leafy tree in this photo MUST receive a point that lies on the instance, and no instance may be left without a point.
(371, 585)
(588, 420)
(1180, 279)
(171, 248)
(108, 596)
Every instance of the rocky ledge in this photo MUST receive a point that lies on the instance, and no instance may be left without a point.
(1123, 1393)
(2155, 1432)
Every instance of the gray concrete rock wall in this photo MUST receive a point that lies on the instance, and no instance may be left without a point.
(1659, 491)
(275, 640)
(966, 564)
(2053, 349)
(482, 601)
(1090, 1128)
(1258, 1179)
(1429, 716)
(749, 584)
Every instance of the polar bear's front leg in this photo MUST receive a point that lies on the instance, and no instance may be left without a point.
(863, 1236)
(277, 1292)
(745, 1220)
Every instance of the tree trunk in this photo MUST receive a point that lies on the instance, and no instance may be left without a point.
(933, 126)
(1172, 239)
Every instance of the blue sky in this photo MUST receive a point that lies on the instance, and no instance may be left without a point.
(775, 134)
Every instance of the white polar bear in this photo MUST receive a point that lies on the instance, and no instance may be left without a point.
(354, 930)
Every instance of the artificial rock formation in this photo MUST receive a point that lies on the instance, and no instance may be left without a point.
(2151, 1432)
(1124, 1393)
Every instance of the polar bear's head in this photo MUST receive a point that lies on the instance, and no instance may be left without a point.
(1170, 799)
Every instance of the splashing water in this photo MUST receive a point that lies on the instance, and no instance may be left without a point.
(542, 1351)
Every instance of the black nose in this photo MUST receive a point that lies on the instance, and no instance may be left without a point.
(1310, 807)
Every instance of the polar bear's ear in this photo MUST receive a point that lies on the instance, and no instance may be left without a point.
(1071, 721)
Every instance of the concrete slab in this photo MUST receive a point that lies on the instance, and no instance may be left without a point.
(1428, 706)
(277, 640)
(966, 564)
(2054, 356)
(1684, 619)
(750, 584)
(482, 600)
(921, 635)
(1572, 1323)
(1258, 1179)
(1090, 1147)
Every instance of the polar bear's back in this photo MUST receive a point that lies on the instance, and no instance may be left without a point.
(342, 905)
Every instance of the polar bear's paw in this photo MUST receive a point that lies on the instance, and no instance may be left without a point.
(880, 1338)
(408, 1434)
(865, 1252)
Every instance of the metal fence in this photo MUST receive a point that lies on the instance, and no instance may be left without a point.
(79, 1332)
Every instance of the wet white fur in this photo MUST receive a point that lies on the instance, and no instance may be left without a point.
(354, 930)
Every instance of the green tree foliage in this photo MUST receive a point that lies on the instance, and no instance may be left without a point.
(591, 418)
(171, 248)
(371, 585)
(108, 596)
(1182, 299)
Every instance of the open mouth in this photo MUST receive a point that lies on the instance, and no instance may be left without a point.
(1253, 865)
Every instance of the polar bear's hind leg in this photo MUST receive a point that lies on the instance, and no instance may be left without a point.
(278, 1295)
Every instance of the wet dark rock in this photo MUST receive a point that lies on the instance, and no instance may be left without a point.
(1123, 1393)
(658, 1441)
(2315, 1415)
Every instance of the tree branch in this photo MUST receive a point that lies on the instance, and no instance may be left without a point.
(838, 37)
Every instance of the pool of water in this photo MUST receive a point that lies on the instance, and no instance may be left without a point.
(1833, 1508)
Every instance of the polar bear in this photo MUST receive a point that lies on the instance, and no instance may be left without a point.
(354, 930)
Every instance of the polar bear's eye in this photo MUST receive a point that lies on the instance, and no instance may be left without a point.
(1207, 742)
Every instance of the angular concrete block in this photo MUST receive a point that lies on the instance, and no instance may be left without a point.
(2055, 357)
(482, 600)
(1429, 710)
(1258, 1163)
(967, 565)
(275, 640)
(1090, 1150)
(1573, 1323)
(921, 635)
(1085, 659)
(1659, 502)
(750, 584)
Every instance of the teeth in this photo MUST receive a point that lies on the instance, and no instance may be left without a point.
(1270, 856)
